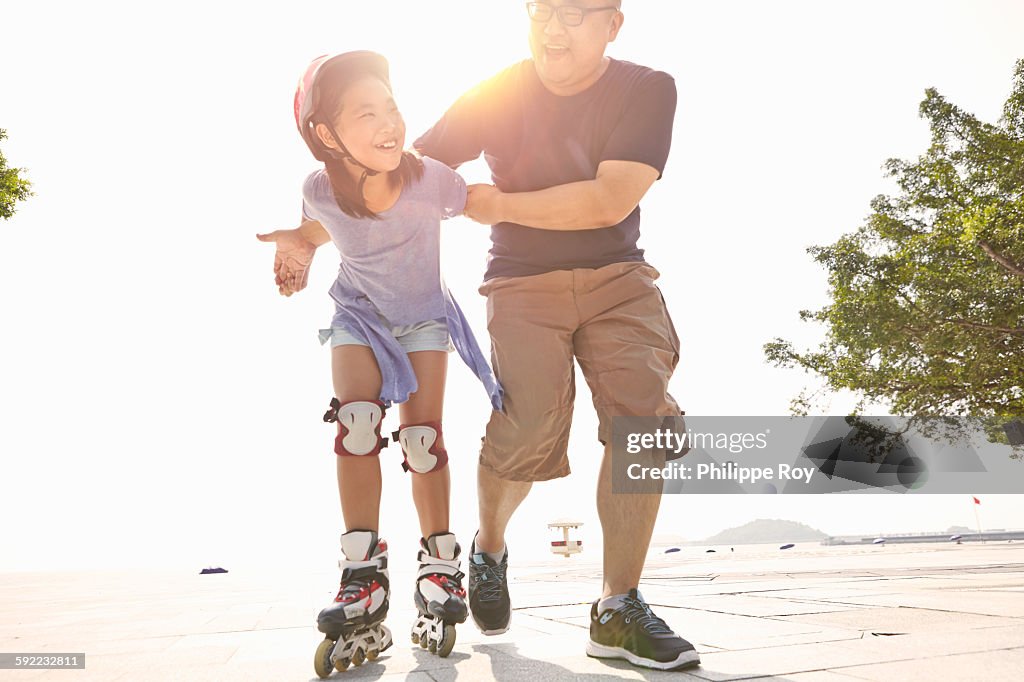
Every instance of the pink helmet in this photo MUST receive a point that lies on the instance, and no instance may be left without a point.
(349, 65)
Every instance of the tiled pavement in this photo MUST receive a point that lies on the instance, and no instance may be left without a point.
(809, 614)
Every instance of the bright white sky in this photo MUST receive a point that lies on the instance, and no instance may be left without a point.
(160, 404)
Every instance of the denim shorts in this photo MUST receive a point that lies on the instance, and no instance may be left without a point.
(429, 335)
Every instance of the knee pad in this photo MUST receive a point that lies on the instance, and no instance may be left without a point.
(419, 444)
(358, 427)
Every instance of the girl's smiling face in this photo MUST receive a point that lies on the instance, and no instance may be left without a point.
(369, 124)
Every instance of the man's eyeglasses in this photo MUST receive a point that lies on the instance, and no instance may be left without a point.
(568, 15)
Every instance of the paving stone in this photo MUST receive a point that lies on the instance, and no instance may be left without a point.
(934, 644)
(784, 660)
(759, 605)
(902, 620)
(546, 662)
(557, 612)
(806, 616)
(548, 626)
(838, 592)
(816, 676)
(977, 667)
(962, 601)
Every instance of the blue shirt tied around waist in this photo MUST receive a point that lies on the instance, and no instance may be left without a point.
(390, 268)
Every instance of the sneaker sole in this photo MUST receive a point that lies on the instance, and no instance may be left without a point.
(499, 631)
(686, 659)
(494, 632)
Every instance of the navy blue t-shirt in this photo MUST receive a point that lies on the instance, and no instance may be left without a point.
(533, 139)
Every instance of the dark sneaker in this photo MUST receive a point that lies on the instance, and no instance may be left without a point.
(488, 592)
(632, 632)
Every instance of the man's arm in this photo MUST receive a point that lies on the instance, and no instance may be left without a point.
(457, 137)
(590, 204)
(460, 135)
(632, 158)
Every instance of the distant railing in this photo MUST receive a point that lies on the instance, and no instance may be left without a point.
(985, 536)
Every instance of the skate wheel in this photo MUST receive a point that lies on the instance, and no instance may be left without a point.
(433, 647)
(372, 655)
(447, 641)
(423, 642)
(322, 660)
(415, 638)
(358, 657)
(341, 665)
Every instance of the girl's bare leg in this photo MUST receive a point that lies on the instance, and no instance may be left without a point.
(430, 491)
(357, 377)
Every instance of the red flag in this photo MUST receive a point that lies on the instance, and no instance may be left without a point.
(976, 500)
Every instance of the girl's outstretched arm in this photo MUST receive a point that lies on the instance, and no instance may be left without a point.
(294, 255)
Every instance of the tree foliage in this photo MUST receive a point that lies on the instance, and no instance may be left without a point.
(13, 187)
(927, 297)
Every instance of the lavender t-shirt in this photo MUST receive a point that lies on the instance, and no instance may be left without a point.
(395, 259)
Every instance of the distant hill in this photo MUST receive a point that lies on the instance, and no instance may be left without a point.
(767, 530)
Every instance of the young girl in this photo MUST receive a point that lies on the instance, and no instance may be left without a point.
(394, 324)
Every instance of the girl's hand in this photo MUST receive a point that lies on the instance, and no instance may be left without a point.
(292, 259)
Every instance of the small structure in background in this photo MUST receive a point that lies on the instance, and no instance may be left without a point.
(1015, 432)
(566, 546)
(207, 571)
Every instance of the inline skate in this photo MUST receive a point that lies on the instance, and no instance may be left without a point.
(440, 597)
(353, 623)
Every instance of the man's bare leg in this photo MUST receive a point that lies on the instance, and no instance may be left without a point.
(627, 522)
(498, 501)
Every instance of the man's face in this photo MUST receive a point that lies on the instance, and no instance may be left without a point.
(569, 59)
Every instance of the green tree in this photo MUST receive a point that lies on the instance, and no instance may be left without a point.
(927, 297)
(13, 187)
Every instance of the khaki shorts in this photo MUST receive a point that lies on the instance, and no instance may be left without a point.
(612, 320)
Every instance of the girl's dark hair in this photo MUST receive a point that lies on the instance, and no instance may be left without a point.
(348, 192)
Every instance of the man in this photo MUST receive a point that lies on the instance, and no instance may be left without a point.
(574, 140)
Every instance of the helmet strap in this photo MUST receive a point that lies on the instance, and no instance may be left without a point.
(346, 154)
